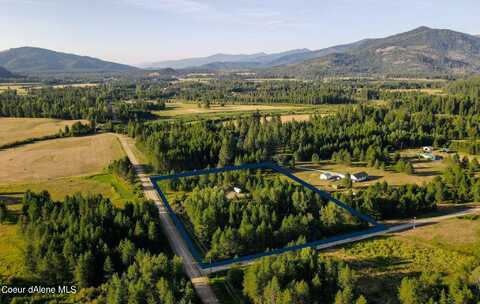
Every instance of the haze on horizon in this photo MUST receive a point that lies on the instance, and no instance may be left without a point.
(138, 31)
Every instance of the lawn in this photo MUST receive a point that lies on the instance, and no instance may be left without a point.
(58, 158)
(17, 129)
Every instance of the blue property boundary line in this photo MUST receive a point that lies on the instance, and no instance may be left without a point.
(325, 195)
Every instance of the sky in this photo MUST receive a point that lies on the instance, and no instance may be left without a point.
(140, 31)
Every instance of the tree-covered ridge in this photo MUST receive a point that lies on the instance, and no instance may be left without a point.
(87, 242)
(269, 212)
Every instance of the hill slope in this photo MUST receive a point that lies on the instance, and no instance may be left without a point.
(4, 73)
(418, 52)
(29, 60)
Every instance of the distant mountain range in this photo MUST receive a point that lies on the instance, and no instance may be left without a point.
(422, 51)
(226, 60)
(30, 60)
(4, 73)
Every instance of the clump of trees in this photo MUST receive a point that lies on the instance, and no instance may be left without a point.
(270, 213)
(87, 242)
(300, 277)
(435, 287)
(123, 168)
(3, 212)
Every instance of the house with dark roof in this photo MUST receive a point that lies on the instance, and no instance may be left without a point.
(359, 177)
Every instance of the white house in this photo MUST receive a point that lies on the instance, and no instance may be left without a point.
(237, 190)
(359, 177)
(427, 149)
(326, 176)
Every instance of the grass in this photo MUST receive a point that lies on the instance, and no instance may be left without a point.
(59, 158)
(423, 90)
(17, 129)
(381, 263)
(190, 111)
(11, 252)
(425, 171)
(105, 184)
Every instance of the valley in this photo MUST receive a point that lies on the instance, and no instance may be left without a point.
(187, 152)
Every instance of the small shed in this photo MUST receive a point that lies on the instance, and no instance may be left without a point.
(359, 177)
(237, 190)
(427, 149)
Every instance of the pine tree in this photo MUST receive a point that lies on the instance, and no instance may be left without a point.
(83, 271)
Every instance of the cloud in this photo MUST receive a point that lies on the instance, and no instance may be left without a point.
(174, 6)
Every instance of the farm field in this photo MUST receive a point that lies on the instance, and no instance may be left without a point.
(183, 109)
(17, 129)
(382, 263)
(58, 158)
(427, 91)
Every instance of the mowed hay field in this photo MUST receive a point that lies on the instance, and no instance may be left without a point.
(16, 129)
(175, 109)
(58, 158)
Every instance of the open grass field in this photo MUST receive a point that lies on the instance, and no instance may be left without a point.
(426, 91)
(58, 158)
(425, 171)
(11, 252)
(176, 109)
(21, 88)
(17, 129)
(105, 184)
(382, 262)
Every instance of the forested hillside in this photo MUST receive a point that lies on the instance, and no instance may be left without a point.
(30, 60)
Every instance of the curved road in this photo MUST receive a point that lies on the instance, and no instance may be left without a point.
(179, 247)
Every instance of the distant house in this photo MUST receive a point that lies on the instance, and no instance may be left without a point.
(359, 177)
(326, 176)
(429, 156)
(427, 149)
(237, 190)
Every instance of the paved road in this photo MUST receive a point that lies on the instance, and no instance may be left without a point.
(398, 228)
(199, 281)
